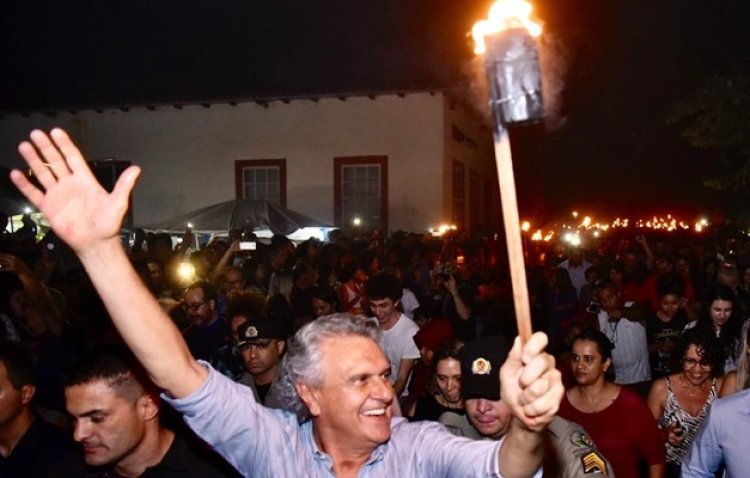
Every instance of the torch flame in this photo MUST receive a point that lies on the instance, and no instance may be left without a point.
(504, 15)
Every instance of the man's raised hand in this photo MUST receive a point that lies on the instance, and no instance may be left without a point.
(79, 209)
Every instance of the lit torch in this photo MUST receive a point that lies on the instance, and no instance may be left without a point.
(511, 60)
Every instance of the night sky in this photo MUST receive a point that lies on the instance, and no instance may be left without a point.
(610, 148)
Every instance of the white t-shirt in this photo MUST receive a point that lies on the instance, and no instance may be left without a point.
(630, 355)
(409, 303)
(398, 343)
(577, 274)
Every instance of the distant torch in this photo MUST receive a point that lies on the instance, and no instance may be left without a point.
(511, 60)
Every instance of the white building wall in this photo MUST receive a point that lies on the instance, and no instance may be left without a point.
(188, 154)
(474, 150)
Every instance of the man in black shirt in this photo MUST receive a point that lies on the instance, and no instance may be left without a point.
(115, 408)
(29, 446)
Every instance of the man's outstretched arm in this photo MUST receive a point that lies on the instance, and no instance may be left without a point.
(88, 219)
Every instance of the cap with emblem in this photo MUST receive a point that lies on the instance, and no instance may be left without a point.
(481, 360)
(256, 332)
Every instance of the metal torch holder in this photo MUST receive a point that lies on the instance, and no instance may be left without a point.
(514, 78)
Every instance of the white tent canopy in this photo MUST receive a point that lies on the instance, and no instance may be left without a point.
(263, 217)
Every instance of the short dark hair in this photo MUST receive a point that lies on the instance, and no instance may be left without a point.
(18, 364)
(670, 284)
(605, 284)
(115, 365)
(246, 304)
(209, 291)
(383, 286)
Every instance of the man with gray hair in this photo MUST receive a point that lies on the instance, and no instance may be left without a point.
(347, 392)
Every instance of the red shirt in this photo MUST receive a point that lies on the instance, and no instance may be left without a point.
(624, 432)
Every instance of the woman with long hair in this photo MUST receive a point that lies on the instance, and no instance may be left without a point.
(445, 391)
(681, 401)
(616, 417)
(719, 318)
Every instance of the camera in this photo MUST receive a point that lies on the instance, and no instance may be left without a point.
(593, 307)
(445, 270)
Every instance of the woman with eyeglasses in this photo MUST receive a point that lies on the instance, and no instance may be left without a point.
(616, 417)
(681, 401)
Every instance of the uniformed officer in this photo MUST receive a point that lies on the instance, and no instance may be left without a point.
(570, 451)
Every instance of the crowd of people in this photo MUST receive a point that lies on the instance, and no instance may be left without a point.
(649, 335)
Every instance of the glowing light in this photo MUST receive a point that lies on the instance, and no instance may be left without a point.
(525, 226)
(504, 15)
(190, 225)
(573, 239)
(574, 213)
(357, 222)
(444, 228)
(575, 234)
(186, 271)
(27, 210)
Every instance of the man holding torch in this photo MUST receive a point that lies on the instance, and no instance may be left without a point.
(337, 376)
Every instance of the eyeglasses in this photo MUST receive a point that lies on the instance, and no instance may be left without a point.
(193, 307)
(688, 362)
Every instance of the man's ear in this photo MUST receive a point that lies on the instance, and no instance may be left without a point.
(27, 393)
(281, 345)
(309, 397)
(148, 406)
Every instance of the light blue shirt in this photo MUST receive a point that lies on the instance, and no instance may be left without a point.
(262, 442)
(722, 438)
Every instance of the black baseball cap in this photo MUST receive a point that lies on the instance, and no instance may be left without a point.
(258, 332)
(481, 360)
